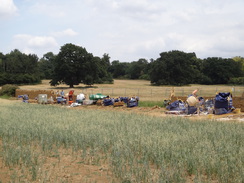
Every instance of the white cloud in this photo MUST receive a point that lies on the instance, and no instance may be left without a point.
(7, 8)
(128, 30)
(34, 44)
(67, 32)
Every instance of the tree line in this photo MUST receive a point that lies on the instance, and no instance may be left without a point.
(74, 64)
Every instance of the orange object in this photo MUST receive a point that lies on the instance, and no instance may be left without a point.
(71, 101)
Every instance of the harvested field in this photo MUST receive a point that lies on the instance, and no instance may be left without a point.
(140, 88)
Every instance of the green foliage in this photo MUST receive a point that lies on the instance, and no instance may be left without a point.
(220, 71)
(46, 65)
(240, 60)
(74, 65)
(137, 69)
(19, 68)
(134, 70)
(8, 90)
(237, 81)
(8, 78)
(139, 148)
(145, 77)
(174, 68)
(17, 62)
(119, 69)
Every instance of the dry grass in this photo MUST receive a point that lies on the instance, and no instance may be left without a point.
(141, 88)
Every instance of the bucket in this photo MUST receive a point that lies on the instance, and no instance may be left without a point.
(192, 101)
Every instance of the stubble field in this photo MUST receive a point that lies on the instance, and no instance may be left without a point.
(141, 88)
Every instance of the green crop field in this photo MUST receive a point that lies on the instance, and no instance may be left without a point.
(44, 143)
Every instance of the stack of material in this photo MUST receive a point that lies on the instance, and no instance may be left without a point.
(124, 99)
(108, 101)
(119, 103)
(176, 107)
(99, 102)
(192, 102)
(26, 98)
(132, 102)
(42, 99)
(61, 100)
(97, 96)
(80, 98)
(221, 105)
(88, 102)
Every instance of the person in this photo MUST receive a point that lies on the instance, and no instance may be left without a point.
(62, 93)
(194, 93)
(52, 92)
(192, 98)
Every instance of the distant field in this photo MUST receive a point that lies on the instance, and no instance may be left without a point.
(141, 88)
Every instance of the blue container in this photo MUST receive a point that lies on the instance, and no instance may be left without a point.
(132, 103)
(107, 102)
(191, 110)
(61, 100)
(219, 111)
(221, 101)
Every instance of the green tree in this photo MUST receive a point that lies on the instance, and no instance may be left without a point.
(174, 68)
(104, 65)
(2, 63)
(119, 69)
(70, 65)
(17, 62)
(241, 60)
(46, 65)
(220, 70)
(19, 68)
(137, 69)
(74, 65)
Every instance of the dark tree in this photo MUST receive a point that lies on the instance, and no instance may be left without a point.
(19, 68)
(17, 62)
(138, 69)
(174, 68)
(119, 69)
(74, 65)
(46, 65)
(220, 70)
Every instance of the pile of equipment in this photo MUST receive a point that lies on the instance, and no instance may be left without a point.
(220, 104)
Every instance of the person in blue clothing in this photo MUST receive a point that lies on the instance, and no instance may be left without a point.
(62, 93)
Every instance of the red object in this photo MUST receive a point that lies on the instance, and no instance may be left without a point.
(71, 92)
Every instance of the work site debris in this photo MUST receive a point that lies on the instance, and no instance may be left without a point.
(222, 103)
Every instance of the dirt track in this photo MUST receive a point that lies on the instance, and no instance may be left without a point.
(160, 112)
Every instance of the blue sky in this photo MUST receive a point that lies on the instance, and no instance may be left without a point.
(127, 30)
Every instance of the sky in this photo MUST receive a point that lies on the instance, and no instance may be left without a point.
(126, 30)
